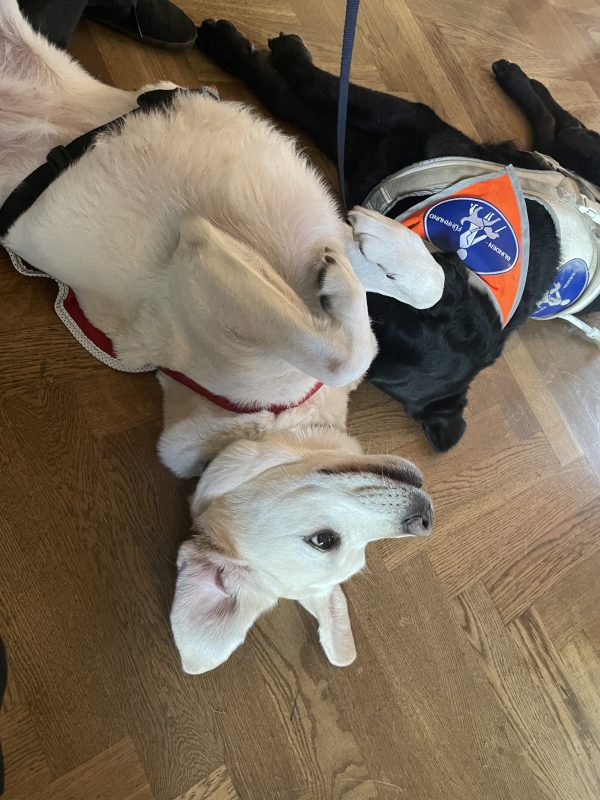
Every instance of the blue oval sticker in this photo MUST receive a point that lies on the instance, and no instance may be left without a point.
(568, 285)
(476, 231)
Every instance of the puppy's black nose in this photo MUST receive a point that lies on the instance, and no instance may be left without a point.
(418, 521)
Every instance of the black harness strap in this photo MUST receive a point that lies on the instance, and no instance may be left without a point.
(61, 157)
(57, 161)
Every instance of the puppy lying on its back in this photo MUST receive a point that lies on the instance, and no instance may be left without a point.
(198, 239)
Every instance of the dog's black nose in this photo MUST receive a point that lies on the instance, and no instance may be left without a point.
(418, 522)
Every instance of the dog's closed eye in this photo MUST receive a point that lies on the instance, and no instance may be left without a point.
(324, 540)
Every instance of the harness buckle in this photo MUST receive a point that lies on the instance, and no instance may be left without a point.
(59, 158)
(586, 208)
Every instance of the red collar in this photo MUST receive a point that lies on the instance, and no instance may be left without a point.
(228, 405)
(88, 331)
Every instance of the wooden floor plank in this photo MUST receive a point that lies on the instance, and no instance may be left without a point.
(581, 749)
(110, 400)
(553, 423)
(146, 520)
(115, 773)
(443, 700)
(217, 786)
(527, 686)
(11, 695)
(50, 546)
(26, 768)
(509, 553)
(543, 562)
(474, 490)
(572, 604)
(582, 666)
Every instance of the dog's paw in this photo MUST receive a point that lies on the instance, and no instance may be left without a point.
(395, 261)
(507, 73)
(286, 48)
(222, 41)
(372, 231)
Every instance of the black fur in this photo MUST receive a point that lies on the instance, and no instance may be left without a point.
(427, 358)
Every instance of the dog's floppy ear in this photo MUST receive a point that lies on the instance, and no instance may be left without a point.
(335, 632)
(215, 605)
(443, 422)
(443, 433)
(238, 463)
(212, 269)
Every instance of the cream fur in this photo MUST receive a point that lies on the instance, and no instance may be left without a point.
(199, 239)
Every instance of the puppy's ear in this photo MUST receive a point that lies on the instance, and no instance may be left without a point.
(335, 632)
(238, 463)
(215, 605)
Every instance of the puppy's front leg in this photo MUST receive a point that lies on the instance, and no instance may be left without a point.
(335, 631)
(392, 260)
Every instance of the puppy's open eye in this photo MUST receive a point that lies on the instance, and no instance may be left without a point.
(324, 540)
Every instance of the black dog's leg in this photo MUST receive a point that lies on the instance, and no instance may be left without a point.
(530, 94)
(222, 41)
(396, 132)
(576, 146)
(519, 88)
(368, 110)
(562, 117)
(556, 132)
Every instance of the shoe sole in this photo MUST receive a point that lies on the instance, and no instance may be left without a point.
(143, 39)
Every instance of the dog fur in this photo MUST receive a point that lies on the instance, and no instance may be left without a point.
(427, 358)
(187, 248)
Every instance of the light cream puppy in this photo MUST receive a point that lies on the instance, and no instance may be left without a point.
(198, 239)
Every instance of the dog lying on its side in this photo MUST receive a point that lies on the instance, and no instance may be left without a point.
(198, 239)
(427, 358)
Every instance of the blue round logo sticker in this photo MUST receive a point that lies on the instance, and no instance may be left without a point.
(476, 231)
(568, 285)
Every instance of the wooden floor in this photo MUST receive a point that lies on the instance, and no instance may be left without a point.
(478, 674)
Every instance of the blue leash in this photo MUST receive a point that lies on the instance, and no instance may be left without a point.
(342, 111)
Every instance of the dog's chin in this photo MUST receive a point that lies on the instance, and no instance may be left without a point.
(443, 434)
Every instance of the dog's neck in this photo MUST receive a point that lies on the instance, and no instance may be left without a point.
(196, 431)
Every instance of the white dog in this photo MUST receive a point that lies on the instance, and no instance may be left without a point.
(198, 239)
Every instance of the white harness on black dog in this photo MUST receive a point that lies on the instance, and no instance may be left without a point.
(572, 202)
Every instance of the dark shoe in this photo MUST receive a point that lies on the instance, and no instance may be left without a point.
(156, 22)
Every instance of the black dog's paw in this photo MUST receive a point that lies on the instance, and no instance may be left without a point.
(506, 72)
(288, 47)
(222, 41)
(502, 67)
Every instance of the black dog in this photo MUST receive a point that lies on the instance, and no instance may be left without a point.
(427, 358)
